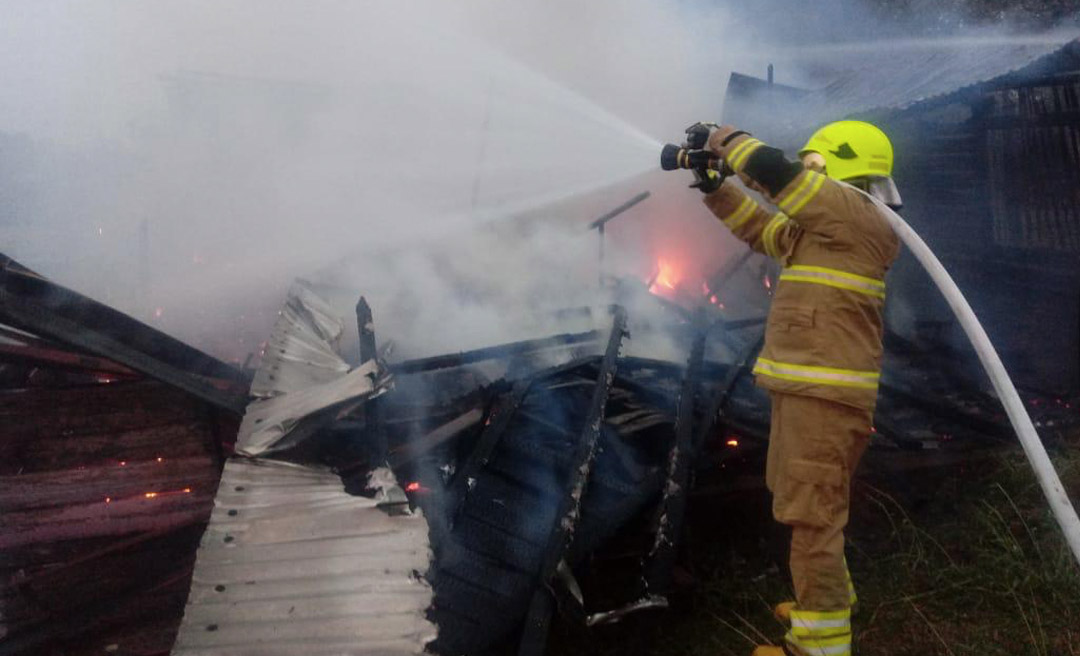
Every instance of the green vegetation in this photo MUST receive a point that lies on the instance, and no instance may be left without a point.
(958, 560)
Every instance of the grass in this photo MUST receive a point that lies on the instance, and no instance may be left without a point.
(959, 560)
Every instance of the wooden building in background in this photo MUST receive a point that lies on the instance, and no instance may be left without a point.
(987, 144)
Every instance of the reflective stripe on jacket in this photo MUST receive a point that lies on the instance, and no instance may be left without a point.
(823, 336)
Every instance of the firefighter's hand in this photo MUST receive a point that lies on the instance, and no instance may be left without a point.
(707, 180)
(722, 139)
(697, 135)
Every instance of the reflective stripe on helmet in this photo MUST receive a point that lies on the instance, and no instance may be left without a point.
(817, 375)
(834, 278)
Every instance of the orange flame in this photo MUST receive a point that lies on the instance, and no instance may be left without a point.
(667, 276)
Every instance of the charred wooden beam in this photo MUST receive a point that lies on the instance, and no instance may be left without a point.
(444, 433)
(739, 324)
(496, 426)
(492, 352)
(24, 286)
(365, 326)
(943, 410)
(723, 390)
(42, 320)
(726, 272)
(538, 619)
(661, 558)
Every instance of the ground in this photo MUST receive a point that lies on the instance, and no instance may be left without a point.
(954, 559)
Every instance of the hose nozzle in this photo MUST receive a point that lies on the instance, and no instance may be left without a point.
(674, 157)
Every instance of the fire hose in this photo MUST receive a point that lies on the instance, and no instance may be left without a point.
(705, 165)
(1052, 488)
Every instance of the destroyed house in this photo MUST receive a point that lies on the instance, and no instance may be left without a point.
(449, 504)
(987, 147)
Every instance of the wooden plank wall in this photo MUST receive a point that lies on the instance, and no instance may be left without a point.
(104, 493)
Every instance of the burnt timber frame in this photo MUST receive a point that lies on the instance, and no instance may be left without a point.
(669, 521)
(538, 620)
(492, 352)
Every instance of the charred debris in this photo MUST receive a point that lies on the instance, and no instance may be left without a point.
(353, 507)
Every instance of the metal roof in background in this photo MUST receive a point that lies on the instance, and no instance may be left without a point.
(844, 80)
(897, 74)
(292, 564)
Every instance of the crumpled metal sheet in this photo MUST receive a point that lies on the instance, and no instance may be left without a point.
(302, 350)
(268, 421)
(291, 564)
(302, 373)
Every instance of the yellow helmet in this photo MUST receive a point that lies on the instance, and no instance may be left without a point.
(852, 149)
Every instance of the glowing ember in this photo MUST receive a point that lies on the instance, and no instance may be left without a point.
(123, 463)
(714, 299)
(160, 459)
(733, 443)
(108, 499)
(767, 282)
(150, 495)
(413, 487)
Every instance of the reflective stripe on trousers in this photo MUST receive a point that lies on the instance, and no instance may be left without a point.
(817, 375)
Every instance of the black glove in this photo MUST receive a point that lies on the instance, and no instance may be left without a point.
(697, 135)
(707, 180)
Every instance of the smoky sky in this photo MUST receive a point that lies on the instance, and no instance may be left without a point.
(184, 161)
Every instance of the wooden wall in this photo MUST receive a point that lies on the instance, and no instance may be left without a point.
(104, 491)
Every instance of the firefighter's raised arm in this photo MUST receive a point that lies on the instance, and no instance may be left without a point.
(796, 191)
(771, 233)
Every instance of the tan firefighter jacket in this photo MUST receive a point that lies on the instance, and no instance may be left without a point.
(824, 332)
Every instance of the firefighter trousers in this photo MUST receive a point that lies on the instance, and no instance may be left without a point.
(814, 447)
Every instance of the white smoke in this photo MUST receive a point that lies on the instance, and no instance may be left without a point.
(183, 161)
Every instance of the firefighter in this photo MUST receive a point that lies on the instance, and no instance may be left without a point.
(821, 359)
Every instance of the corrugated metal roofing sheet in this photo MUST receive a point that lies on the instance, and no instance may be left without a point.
(302, 373)
(291, 564)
